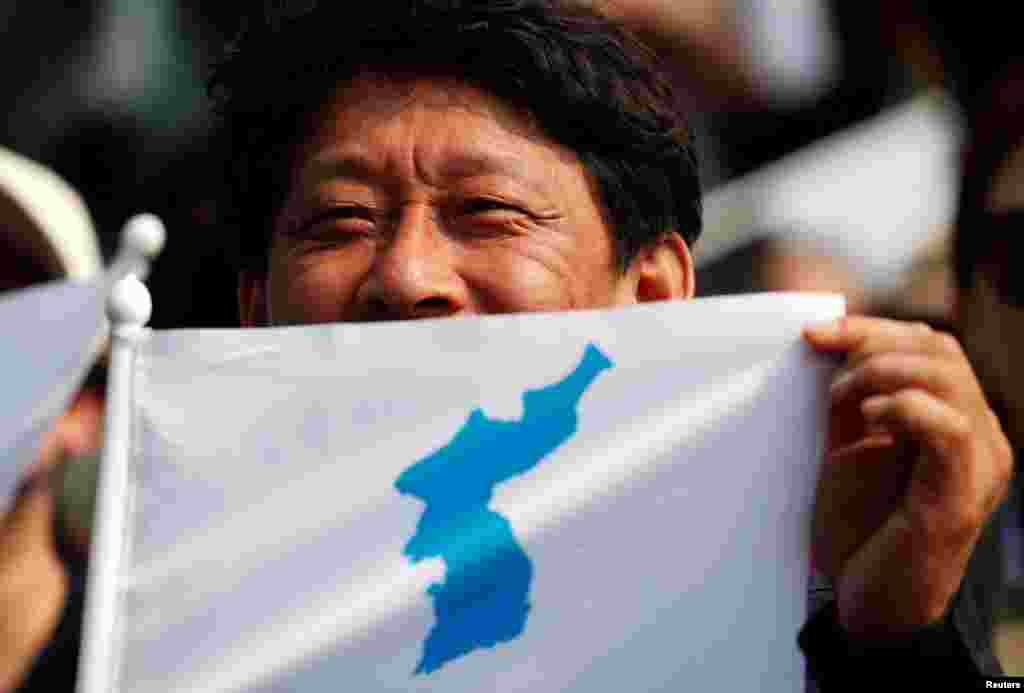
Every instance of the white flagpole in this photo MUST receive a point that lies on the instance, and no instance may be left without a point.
(129, 308)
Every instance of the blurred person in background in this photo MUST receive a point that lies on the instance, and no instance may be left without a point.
(43, 542)
(965, 278)
(989, 304)
(829, 149)
(975, 52)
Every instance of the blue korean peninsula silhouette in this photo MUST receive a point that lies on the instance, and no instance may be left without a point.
(484, 597)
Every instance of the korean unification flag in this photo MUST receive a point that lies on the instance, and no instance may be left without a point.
(52, 333)
(594, 501)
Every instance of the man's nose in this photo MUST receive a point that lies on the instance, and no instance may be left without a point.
(413, 273)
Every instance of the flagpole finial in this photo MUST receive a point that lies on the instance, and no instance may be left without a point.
(142, 239)
(144, 235)
(129, 304)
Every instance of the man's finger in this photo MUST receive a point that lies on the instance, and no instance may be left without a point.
(940, 429)
(893, 371)
(860, 337)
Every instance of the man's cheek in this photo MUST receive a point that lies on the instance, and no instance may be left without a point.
(308, 295)
(523, 277)
(517, 286)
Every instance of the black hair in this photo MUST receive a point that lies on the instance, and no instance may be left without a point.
(587, 82)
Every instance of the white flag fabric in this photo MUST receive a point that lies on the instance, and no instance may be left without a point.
(52, 334)
(592, 501)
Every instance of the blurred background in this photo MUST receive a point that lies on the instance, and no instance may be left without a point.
(111, 94)
(829, 135)
(804, 111)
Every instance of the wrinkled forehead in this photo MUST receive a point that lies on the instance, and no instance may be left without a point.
(374, 124)
(372, 97)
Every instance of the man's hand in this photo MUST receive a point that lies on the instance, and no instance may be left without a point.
(33, 579)
(917, 462)
(33, 583)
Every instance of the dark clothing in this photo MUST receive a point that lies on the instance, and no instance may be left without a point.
(950, 651)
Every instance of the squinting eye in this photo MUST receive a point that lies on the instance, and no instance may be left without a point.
(485, 205)
(489, 218)
(343, 219)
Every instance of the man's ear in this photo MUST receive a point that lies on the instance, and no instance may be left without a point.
(663, 270)
(252, 299)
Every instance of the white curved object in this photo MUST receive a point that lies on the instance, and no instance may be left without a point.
(53, 221)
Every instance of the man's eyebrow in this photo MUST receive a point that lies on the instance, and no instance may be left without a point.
(465, 164)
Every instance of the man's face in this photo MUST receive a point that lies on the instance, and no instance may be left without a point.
(430, 198)
(992, 330)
